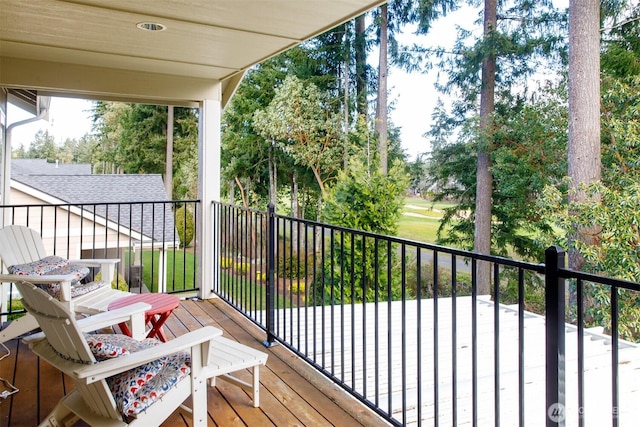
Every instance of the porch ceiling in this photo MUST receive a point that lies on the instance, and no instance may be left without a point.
(92, 47)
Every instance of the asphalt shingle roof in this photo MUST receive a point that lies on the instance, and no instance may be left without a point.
(116, 197)
(42, 167)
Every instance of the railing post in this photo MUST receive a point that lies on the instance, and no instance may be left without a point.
(271, 277)
(555, 337)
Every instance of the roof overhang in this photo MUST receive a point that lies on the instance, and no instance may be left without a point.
(94, 49)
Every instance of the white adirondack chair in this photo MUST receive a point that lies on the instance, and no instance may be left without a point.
(22, 245)
(97, 398)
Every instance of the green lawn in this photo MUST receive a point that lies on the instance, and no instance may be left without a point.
(182, 262)
(420, 219)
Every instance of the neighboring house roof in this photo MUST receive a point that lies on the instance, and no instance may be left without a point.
(114, 197)
(43, 167)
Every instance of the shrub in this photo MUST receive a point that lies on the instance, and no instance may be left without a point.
(226, 262)
(445, 283)
(121, 285)
(16, 305)
(185, 226)
(242, 267)
(298, 287)
(534, 291)
(291, 267)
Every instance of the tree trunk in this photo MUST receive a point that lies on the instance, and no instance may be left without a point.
(584, 105)
(361, 66)
(168, 171)
(295, 210)
(273, 184)
(381, 106)
(319, 231)
(484, 180)
(345, 155)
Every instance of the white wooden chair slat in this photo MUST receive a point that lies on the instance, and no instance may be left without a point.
(91, 398)
(21, 245)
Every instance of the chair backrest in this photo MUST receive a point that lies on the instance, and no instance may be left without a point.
(57, 322)
(69, 344)
(20, 245)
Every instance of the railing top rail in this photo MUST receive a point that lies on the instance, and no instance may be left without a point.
(137, 202)
(603, 280)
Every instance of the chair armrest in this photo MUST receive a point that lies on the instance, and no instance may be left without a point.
(63, 280)
(107, 266)
(108, 368)
(35, 279)
(132, 313)
(95, 262)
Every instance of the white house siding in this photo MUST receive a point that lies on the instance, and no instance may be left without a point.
(75, 233)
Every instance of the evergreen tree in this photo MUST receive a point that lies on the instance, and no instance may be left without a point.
(516, 41)
(132, 138)
(43, 147)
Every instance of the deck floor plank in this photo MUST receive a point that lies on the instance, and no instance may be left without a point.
(7, 371)
(292, 393)
(26, 402)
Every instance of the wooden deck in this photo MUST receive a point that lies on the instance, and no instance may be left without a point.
(292, 393)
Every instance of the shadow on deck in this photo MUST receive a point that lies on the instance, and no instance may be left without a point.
(292, 393)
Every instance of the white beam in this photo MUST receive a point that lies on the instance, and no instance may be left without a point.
(208, 190)
(107, 84)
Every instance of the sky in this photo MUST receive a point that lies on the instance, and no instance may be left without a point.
(68, 118)
(413, 94)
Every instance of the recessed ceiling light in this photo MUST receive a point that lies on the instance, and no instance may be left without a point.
(151, 26)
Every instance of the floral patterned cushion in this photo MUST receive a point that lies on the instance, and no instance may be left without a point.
(137, 389)
(40, 267)
(55, 265)
(80, 289)
(78, 271)
(109, 346)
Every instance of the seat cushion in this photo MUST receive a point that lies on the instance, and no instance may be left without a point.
(137, 389)
(54, 265)
(79, 271)
(110, 346)
(76, 290)
(39, 267)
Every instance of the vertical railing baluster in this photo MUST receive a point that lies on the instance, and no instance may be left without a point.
(555, 339)
(315, 292)
(474, 342)
(454, 341)
(496, 344)
(271, 277)
(364, 308)
(403, 335)
(580, 314)
(521, 302)
(418, 330)
(389, 337)
(332, 280)
(342, 304)
(614, 357)
(352, 283)
(436, 353)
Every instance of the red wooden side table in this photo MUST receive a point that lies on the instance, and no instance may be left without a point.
(162, 305)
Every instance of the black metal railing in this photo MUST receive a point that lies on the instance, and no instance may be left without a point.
(407, 328)
(147, 237)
